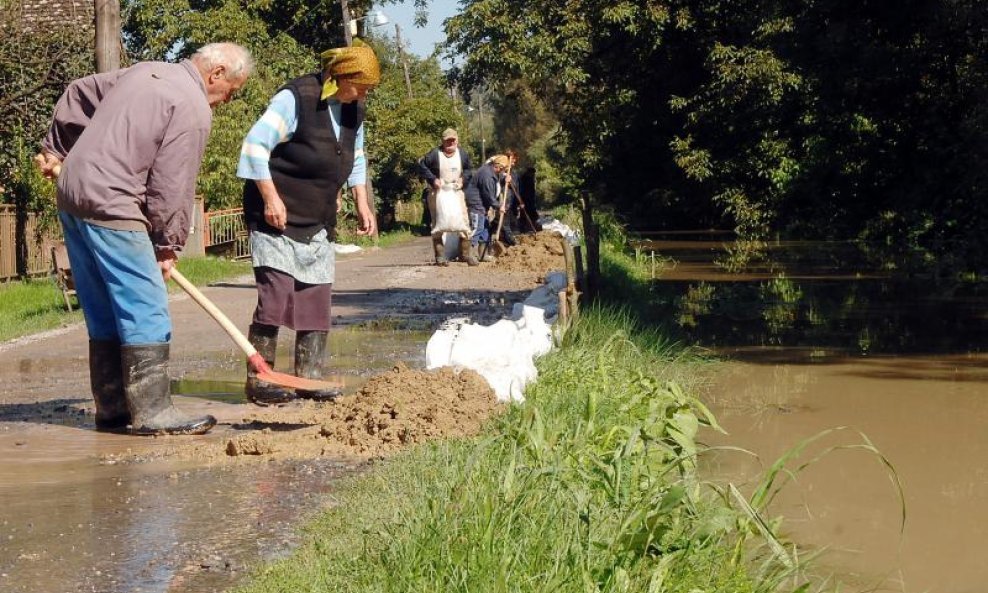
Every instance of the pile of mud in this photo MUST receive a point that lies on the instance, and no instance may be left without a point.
(393, 410)
(539, 253)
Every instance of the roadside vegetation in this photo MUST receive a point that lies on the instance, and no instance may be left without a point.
(591, 485)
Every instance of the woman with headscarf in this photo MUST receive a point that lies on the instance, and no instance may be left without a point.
(295, 160)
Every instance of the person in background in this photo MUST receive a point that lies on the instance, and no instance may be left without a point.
(126, 147)
(482, 195)
(295, 159)
(508, 186)
(445, 165)
(526, 191)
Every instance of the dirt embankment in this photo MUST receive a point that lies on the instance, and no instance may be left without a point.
(393, 410)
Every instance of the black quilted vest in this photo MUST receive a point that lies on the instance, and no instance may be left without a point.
(309, 169)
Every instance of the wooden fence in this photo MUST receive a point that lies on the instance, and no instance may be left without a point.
(222, 233)
(225, 233)
(36, 248)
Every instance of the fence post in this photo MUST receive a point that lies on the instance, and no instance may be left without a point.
(196, 245)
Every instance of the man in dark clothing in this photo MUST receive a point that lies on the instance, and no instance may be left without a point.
(482, 195)
(442, 166)
(526, 191)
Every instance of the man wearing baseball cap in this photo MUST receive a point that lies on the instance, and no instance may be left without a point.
(444, 165)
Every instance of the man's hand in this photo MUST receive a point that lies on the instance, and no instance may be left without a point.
(437, 183)
(166, 261)
(48, 164)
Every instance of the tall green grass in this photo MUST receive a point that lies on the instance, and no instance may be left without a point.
(591, 485)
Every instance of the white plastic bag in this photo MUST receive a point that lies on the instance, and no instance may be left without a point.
(451, 212)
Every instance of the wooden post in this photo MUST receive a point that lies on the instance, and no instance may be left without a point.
(580, 276)
(592, 232)
(346, 22)
(404, 63)
(107, 17)
(573, 270)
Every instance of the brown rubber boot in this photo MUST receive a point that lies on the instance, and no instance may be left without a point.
(466, 253)
(147, 388)
(106, 384)
(264, 338)
(488, 256)
(439, 250)
(310, 355)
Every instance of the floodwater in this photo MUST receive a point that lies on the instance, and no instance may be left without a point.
(827, 346)
(74, 519)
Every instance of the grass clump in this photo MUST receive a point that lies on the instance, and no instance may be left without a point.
(591, 485)
(31, 306)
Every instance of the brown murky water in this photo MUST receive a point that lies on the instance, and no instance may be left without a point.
(823, 343)
(75, 519)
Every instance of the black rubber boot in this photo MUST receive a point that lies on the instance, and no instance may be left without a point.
(310, 355)
(439, 250)
(265, 339)
(147, 388)
(106, 383)
(466, 253)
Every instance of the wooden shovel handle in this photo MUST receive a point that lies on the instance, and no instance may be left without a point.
(214, 312)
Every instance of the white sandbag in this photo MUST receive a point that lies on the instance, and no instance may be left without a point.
(503, 353)
(451, 245)
(451, 212)
(545, 297)
(498, 355)
(440, 345)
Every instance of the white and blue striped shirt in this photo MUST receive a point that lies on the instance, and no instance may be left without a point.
(313, 262)
(277, 125)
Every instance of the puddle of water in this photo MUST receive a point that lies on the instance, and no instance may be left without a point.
(355, 354)
(821, 338)
(69, 522)
(128, 528)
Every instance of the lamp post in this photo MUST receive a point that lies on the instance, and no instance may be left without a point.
(350, 24)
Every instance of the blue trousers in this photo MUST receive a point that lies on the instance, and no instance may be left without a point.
(481, 228)
(118, 283)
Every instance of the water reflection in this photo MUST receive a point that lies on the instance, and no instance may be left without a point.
(823, 296)
(904, 365)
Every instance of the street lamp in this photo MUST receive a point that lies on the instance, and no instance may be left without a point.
(350, 25)
(377, 18)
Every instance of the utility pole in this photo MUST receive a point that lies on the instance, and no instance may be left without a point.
(404, 64)
(346, 22)
(483, 137)
(107, 50)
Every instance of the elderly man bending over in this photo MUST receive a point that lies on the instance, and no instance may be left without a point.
(126, 147)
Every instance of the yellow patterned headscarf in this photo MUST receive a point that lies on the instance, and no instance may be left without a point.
(357, 63)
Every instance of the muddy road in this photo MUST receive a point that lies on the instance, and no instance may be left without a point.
(85, 511)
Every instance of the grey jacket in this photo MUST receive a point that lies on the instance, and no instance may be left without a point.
(132, 141)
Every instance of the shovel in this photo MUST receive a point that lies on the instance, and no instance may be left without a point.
(497, 247)
(254, 359)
